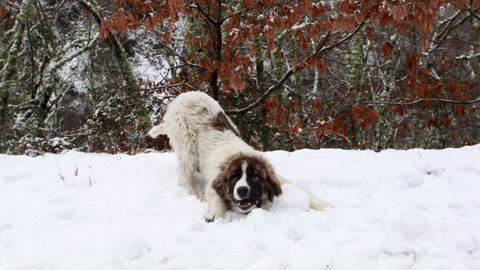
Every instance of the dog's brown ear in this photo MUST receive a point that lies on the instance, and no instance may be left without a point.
(220, 185)
(274, 187)
(222, 122)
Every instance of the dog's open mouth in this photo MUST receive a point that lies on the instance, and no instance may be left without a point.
(245, 206)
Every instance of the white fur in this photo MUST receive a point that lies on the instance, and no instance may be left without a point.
(199, 145)
(242, 182)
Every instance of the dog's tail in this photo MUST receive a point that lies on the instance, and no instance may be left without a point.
(313, 201)
(157, 130)
(317, 203)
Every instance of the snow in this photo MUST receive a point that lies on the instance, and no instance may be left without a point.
(147, 63)
(414, 209)
(148, 71)
(72, 71)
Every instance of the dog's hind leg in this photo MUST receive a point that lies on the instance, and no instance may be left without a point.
(187, 174)
(187, 153)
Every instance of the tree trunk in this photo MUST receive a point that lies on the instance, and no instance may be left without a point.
(118, 51)
(122, 60)
(354, 81)
(216, 34)
(9, 69)
(43, 97)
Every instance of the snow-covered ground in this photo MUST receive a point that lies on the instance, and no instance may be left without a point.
(411, 209)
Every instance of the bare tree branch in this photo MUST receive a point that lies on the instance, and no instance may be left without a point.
(450, 24)
(270, 90)
(468, 57)
(323, 50)
(233, 14)
(318, 52)
(204, 14)
(442, 100)
(174, 85)
(185, 61)
(473, 13)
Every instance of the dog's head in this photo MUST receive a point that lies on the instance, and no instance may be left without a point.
(246, 182)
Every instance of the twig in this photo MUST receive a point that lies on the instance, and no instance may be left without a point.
(467, 57)
(473, 12)
(321, 51)
(205, 15)
(185, 61)
(443, 100)
(233, 14)
(61, 174)
(265, 95)
(437, 39)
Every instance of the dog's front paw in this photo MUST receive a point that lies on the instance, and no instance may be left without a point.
(209, 219)
(213, 214)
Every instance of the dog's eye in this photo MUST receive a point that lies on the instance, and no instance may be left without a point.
(233, 178)
(251, 171)
(235, 175)
(256, 178)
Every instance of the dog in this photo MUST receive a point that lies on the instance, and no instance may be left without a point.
(206, 140)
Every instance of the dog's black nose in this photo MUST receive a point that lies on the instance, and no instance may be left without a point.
(242, 192)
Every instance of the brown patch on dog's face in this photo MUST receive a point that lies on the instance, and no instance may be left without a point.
(246, 182)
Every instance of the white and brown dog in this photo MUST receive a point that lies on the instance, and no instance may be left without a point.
(207, 141)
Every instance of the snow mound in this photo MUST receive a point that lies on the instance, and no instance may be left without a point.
(412, 209)
(292, 197)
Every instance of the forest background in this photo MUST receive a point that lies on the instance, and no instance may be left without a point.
(94, 75)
